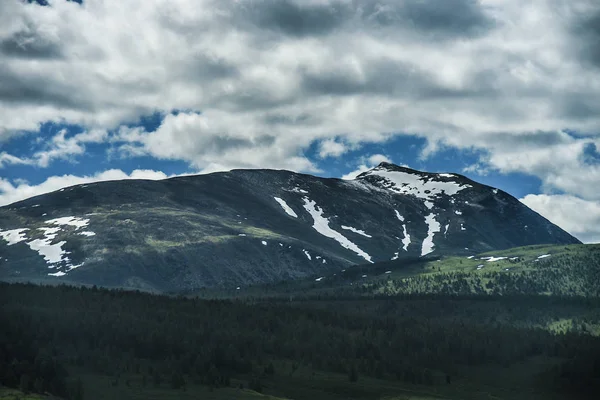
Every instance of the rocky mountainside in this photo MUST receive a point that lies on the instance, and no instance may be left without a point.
(250, 226)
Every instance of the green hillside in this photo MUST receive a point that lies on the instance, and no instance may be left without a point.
(562, 270)
(520, 327)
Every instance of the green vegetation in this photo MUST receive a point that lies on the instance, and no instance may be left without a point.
(426, 329)
(571, 270)
(14, 394)
(94, 343)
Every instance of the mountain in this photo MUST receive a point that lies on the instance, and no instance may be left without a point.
(243, 227)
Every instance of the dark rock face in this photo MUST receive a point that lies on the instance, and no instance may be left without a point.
(252, 226)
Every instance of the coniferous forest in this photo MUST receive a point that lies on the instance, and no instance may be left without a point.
(439, 344)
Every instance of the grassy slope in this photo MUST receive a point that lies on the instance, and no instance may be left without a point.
(14, 394)
(527, 261)
(307, 384)
(356, 278)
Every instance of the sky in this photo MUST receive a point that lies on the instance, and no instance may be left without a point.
(505, 92)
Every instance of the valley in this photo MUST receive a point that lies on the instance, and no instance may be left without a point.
(398, 284)
(425, 330)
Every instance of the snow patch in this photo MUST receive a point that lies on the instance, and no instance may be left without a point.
(264, 243)
(433, 227)
(321, 225)
(416, 185)
(87, 233)
(492, 259)
(462, 227)
(285, 207)
(470, 257)
(400, 217)
(544, 256)
(307, 254)
(360, 232)
(298, 190)
(495, 191)
(446, 230)
(241, 234)
(14, 236)
(59, 273)
(52, 253)
(319, 279)
(388, 272)
(396, 255)
(446, 175)
(77, 222)
(406, 239)
(457, 212)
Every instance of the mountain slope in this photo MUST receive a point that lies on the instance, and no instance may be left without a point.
(251, 226)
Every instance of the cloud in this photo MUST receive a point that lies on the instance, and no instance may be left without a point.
(365, 164)
(438, 20)
(58, 147)
(213, 139)
(331, 148)
(564, 163)
(297, 18)
(31, 43)
(586, 30)
(579, 217)
(273, 78)
(9, 159)
(10, 193)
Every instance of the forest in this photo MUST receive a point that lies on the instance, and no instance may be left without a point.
(51, 337)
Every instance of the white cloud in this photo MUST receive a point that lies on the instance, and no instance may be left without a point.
(556, 157)
(272, 77)
(213, 139)
(58, 147)
(9, 159)
(331, 148)
(10, 193)
(579, 217)
(281, 71)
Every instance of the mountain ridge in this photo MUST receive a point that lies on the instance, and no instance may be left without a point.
(250, 226)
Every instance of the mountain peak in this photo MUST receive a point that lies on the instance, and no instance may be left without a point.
(387, 167)
(230, 229)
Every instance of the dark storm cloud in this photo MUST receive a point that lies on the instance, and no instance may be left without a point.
(442, 19)
(388, 77)
(538, 139)
(454, 18)
(280, 119)
(20, 89)
(578, 106)
(586, 30)
(221, 144)
(29, 45)
(446, 19)
(206, 68)
(294, 18)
